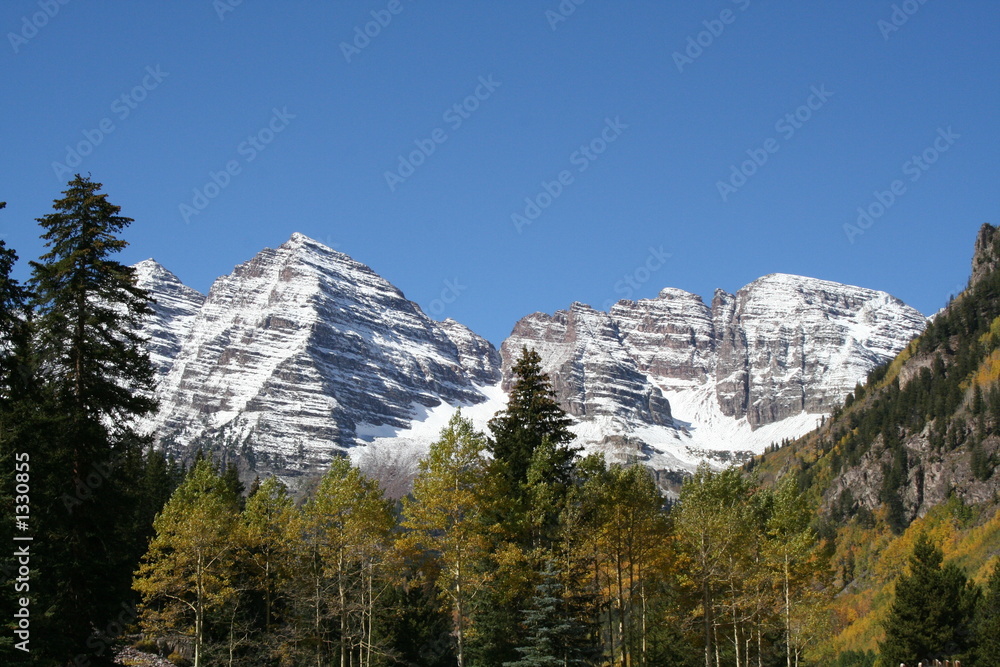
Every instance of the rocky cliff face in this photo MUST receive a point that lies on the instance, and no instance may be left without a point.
(290, 354)
(781, 346)
(986, 257)
(302, 353)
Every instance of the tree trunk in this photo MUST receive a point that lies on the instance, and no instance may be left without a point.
(341, 598)
(788, 618)
(708, 623)
(199, 612)
(642, 593)
(460, 621)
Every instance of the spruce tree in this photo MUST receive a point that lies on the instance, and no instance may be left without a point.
(532, 416)
(90, 313)
(94, 379)
(15, 315)
(931, 614)
(988, 622)
(552, 639)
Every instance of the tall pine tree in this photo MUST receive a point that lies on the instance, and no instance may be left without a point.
(988, 622)
(931, 614)
(532, 416)
(87, 462)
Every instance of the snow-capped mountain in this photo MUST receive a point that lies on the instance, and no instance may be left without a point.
(173, 313)
(302, 352)
(672, 379)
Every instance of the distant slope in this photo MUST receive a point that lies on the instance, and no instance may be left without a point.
(915, 449)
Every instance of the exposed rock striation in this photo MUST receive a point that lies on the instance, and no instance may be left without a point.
(288, 355)
(780, 346)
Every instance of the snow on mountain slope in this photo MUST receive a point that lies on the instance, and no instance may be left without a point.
(173, 312)
(302, 353)
(297, 347)
(758, 366)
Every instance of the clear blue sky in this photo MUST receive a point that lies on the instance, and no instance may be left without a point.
(655, 185)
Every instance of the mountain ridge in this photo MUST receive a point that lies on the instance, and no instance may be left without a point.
(302, 353)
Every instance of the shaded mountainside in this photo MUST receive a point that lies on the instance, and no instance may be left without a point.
(914, 449)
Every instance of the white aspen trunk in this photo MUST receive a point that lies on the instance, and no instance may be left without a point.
(715, 641)
(642, 593)
(708, 623)
(788, 617)
(199, 612)
(460, 621)
(341, 598)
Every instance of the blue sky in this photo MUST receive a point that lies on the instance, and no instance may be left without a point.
(619, 121)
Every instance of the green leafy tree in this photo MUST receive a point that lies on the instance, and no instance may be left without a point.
(187, 575)
(790, 545)
(629, 531)
(445, 516)
(265, 542)
(931, 613)
(342, 535)
(711, 525)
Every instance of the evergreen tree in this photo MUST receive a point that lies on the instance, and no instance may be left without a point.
(931, 614)
(90, 313)
(91, 378)
(15, 410)
(532, 415)
(15, 315)
(552, 640)
(988, 622)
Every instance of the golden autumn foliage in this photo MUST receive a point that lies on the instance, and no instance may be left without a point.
(970, 541)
